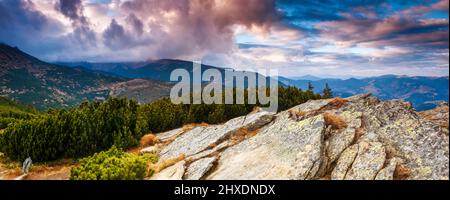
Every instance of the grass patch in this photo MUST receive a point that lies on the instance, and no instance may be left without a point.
(148, 140)
(335, 121)
(242, 134)
(337, 102)
(401, 172)
(157, 167)
(296, 114)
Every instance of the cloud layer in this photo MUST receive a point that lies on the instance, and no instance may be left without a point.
(345, 38)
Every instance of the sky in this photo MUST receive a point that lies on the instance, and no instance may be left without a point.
(323, 38)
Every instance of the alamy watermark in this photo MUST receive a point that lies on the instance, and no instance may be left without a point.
(261, 86)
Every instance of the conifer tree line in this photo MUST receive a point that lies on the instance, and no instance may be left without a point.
(93, 126)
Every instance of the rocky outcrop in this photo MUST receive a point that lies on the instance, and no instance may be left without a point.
(357, 138)
(439, 115)
(280, 151)
(174, 172)
(203, 137)
(199, 168)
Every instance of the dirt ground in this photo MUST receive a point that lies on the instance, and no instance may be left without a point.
(54, 171)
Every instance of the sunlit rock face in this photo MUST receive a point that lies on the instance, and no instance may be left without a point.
(357, 138)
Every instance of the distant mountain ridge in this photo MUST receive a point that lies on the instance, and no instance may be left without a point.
(159, 70)
(154, 70)
(423, 92)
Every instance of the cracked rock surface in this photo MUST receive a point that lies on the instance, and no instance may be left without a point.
(381, 140)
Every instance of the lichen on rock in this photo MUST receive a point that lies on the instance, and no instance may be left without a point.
(381, 140)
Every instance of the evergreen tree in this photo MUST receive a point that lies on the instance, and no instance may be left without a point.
(310, 86)
(327, 92)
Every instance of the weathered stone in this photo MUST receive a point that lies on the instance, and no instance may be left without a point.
(311, 105)
(174, 172)
(438, 115)
(344, 163)
(353, 119)
(211, 151)
(169, 135)
(421, 144)
(286, 149)
(387, 173)
(199, 168)
(201, 138)
(339, 142)
(368, 162)
(150, 149)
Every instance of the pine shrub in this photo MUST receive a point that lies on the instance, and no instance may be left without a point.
(113, 164)
(78, 132)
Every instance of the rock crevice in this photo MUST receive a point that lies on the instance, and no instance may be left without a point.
(373, 140)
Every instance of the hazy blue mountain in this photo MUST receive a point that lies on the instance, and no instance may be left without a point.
(423, 92)
(328, 76)
(151, 70)
(306, 77)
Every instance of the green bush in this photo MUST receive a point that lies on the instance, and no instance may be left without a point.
(11, 111)
(78, 132)
(5, 121)
(113, 164)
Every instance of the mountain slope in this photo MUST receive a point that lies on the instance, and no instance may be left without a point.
(143, 91)
(423, 92)
(29, 80)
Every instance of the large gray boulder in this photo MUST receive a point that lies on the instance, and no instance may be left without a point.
(381, 140)
(199, 168)
(201, 138)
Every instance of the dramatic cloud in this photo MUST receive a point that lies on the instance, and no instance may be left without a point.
(137, 25)
(399, 30)
(22, 25)
(191, 28)
(368, 37)
(73, 9)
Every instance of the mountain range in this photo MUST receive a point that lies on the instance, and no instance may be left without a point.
(44, 85)
(423, 92)
(159, 70)
(152, 70)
